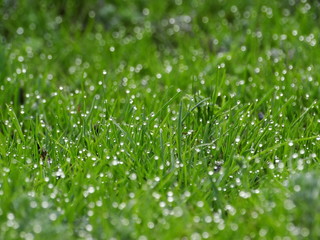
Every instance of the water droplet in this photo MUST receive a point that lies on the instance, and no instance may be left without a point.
(244, 194)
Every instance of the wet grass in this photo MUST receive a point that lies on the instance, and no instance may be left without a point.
(159, 120)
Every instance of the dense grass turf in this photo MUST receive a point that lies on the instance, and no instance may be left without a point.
(159, 119)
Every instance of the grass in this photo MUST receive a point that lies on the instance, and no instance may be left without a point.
(159, 120)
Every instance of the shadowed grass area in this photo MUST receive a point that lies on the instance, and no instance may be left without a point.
(159, 120)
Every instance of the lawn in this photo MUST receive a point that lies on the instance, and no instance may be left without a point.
(185, 119)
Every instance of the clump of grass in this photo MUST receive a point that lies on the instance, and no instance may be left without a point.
(176, 120)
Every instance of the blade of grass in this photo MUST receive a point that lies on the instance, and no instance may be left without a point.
(16, 123)
(194, 107)
(163, 107)
(270, 149)
(303, 114)
(124, 132)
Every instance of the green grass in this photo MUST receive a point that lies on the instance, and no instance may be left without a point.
(159, 120)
